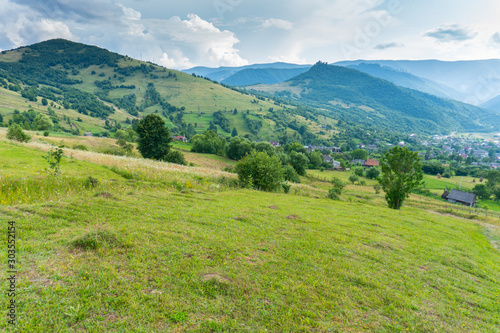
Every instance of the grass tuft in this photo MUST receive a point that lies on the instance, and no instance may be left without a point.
(97, 239)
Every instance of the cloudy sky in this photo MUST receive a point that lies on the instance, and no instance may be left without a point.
(187, 33)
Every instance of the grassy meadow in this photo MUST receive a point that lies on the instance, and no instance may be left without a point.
(156, 247)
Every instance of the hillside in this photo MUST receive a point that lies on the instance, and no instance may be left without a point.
(407, 80)
(249, 77)
(170, 248)
(352, 95)
(91, 89)
(476, 80)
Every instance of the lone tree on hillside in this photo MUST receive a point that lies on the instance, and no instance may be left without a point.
(154, 138)
(401, 173)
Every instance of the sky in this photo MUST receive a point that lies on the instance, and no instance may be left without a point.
(188, 33)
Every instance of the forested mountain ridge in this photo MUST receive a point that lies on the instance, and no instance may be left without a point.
(93, 89)
(367, 100)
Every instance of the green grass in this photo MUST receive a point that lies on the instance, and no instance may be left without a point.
(149, 258)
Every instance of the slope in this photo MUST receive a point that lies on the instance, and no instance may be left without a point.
(356, 96)
(177, 249)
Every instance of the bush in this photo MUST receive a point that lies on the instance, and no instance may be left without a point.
(286, 187)
(377, 187)
(290, 174)
(336, 191)
(15, 132)
(373, 173)
(80, 147)
(261, 171)
(353, 178)
(360, 172)
(175, 156)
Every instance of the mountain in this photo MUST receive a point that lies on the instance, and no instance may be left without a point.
(251, 76)
(88, 88)
(353, 95)
(407, 80)
(492, 104)
(222, 73)
(476, 80)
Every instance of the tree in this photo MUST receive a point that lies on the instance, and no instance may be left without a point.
(154, 137)
(42, 123)
(15, 132)
(359, 171)
(261, 171)
(401, 173)
(234, 132)
(209, 142)
(372, 173)
(299, 161)
(359, 154)
(482, 191)
(238, 148)
(316, 159)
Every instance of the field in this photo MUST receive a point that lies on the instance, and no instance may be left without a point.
(155, 247)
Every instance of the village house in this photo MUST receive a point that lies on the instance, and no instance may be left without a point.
(180, 138)
(463, 198)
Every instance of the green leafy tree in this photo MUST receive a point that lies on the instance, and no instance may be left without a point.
(154, 137)
(15, 132)
(482, 191)
(359, 171)
(401, 173)
(372, 173)
(209, 143)
(54, 157)
(42, 123)
(359, 154)
(261, 171)
(316, 159)
(299, 161)
(234, 132)
(238, 148)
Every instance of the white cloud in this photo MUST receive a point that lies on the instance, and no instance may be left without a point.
(277, 23)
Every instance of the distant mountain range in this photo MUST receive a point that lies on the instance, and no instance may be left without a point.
(357, 96)
(474, 82)
(477, 81)
(222, 73)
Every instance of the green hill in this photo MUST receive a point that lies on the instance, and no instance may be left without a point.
(248, 77)
(103, 89)
(150, 246)
(352, 95)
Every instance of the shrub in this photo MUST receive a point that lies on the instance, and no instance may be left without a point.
(46, 133)
(261, 171)
(353, 178)
(96, 239)
(336, 191)
(80, 147)
(91, 182)
(290, 174)
(373, 173)
(286, 187)
(15, 132)
(360, 172)
(377, 187)
(175, 156)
